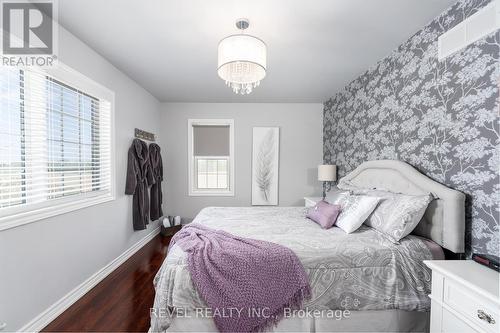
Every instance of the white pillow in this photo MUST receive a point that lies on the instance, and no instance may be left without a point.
(355, 210)
(335, 196)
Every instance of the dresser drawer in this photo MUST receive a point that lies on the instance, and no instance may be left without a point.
(451, 324)
(477, 310)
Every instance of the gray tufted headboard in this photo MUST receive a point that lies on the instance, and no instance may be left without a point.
(444, 220)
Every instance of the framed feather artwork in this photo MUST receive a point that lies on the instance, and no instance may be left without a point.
(265, 166)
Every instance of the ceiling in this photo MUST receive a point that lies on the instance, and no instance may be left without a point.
(315, 47)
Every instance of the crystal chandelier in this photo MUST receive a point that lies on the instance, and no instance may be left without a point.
(242, 60)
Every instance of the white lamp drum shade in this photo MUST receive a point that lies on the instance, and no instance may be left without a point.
(327, 172)
(242, 62)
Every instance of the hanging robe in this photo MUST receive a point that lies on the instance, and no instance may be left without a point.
(139, 178)
(157, 170)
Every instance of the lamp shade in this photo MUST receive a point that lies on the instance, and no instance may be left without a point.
(242, 59)
(327, 172)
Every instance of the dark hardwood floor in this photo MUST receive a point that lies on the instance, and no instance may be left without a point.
(120, 302)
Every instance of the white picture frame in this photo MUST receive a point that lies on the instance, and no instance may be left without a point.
(265, 166)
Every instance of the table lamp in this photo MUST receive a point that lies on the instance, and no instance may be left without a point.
(326, 173)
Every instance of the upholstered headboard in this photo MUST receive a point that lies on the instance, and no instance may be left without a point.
(444, 220)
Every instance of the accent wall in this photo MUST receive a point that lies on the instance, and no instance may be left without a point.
(439, 116)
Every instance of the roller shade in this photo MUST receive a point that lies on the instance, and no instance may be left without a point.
(210, 140)
(55, 141)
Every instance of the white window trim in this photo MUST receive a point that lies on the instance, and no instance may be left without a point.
(60, 206)
(191, 182)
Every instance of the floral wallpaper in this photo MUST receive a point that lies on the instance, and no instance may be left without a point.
(439, 116)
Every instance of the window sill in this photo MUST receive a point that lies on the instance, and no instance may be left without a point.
(211, 193)
(16, 220)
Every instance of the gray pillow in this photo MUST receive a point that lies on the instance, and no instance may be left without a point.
(397, 215)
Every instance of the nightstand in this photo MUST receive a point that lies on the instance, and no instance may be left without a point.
(464, 297)
(311, 201)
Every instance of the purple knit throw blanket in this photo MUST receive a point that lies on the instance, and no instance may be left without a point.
(247, 283)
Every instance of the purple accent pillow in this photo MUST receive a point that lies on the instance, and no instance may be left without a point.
(324, 214)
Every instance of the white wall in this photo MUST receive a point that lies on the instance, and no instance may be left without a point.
(301, 150)
(42, 261)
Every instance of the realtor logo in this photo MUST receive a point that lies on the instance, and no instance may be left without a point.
(28, 30)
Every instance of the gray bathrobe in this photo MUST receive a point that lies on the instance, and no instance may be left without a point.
(139, 178)
(155, 211)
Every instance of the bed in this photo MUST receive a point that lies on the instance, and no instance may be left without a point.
(382, 284)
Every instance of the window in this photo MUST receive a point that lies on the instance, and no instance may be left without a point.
(55, 144)
(73, 138)
(211, 173)
(211, 157)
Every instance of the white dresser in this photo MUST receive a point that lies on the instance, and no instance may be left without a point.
(464, 298)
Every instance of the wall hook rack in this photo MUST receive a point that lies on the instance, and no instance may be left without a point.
(140, 134)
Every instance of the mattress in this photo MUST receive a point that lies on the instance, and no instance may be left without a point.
(364, 270)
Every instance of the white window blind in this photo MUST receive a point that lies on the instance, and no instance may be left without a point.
(55, 143)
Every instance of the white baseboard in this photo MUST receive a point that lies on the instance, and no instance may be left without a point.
(52, 312)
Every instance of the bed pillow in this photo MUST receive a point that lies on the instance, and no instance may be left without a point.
(335, 195)
(397, 215)
(355, 210)
(324, 214)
